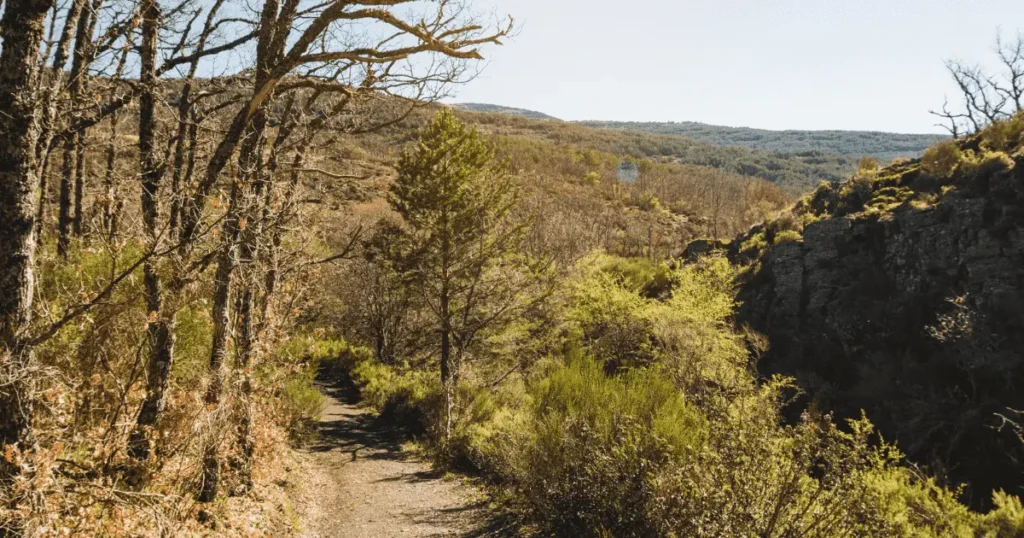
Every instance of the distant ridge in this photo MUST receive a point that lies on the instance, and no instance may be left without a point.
(498, 109)
(883, 146)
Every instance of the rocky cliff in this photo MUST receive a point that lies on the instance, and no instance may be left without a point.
(901, 293)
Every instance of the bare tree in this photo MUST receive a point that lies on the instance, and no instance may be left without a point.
(987, 97)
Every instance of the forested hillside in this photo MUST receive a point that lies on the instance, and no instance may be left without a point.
(882, 146)
(498, 109)
(793, 172)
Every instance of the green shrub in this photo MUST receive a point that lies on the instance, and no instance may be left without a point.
(755, 245)
(1005, 135)
(1007, 519)
(854, 194)
(983, 167)
(194, 334)
(302, 403)
(582, 463)
(788, 235)
(942, 159)
(613, 321)
(650, 278)
(868, 164)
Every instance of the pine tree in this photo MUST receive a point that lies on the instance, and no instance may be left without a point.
(462, 237)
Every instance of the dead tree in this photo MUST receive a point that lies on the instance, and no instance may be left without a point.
(987, 97)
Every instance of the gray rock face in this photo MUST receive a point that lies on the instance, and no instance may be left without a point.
(915, 316)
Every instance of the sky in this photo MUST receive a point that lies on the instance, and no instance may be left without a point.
(771, 64)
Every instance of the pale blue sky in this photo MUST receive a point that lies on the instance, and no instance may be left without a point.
(773, 64)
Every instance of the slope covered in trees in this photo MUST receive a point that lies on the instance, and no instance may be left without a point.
(498, 109)
(882, 146)
(793, 172)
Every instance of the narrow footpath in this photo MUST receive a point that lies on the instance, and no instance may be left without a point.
(357, 482)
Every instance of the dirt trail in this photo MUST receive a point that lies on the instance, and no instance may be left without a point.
(357, 482)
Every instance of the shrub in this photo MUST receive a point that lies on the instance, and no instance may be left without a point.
(613, 321)
(302, 403)
(1005, 135)
(854, 194)
(788, 235)
(583, 463)
(755, 245)
(291, 371)
(983, 167)
(942, 159)
(868, 164)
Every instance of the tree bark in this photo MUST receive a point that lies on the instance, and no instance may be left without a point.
(68, 166)
(221, 326)
(56, 79)
(160, 327)
(22, 29)
(447, 370)
(114, 205)
(79, 63)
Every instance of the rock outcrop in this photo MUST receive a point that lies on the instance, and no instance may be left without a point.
(909, 306)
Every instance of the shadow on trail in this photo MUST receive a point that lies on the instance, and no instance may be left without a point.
(345, 428)
(358, 433)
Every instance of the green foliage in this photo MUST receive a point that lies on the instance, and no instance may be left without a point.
(614, 321)
(1006, 135)
(868, 164)
(194, 333)
(463, 241)
(581, 464)
(974, 167)
(793, 170)
(941, 159)
(650, 422)
(301, 402)
(651, 279)
(291, 371)
(451, 187)
(788, 235)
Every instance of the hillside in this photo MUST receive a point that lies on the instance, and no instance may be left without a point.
(795, 173)
(498, 109)
(882, 146)
(899, 293)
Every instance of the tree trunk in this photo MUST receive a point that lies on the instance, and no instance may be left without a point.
(113, 206)
(55, 82)
(447, 367)
(76, 221)
(160, 327)
(64, 204)
(221, 326)
(79, 63)
(22, 29)
(181, 153)
(270, 281)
